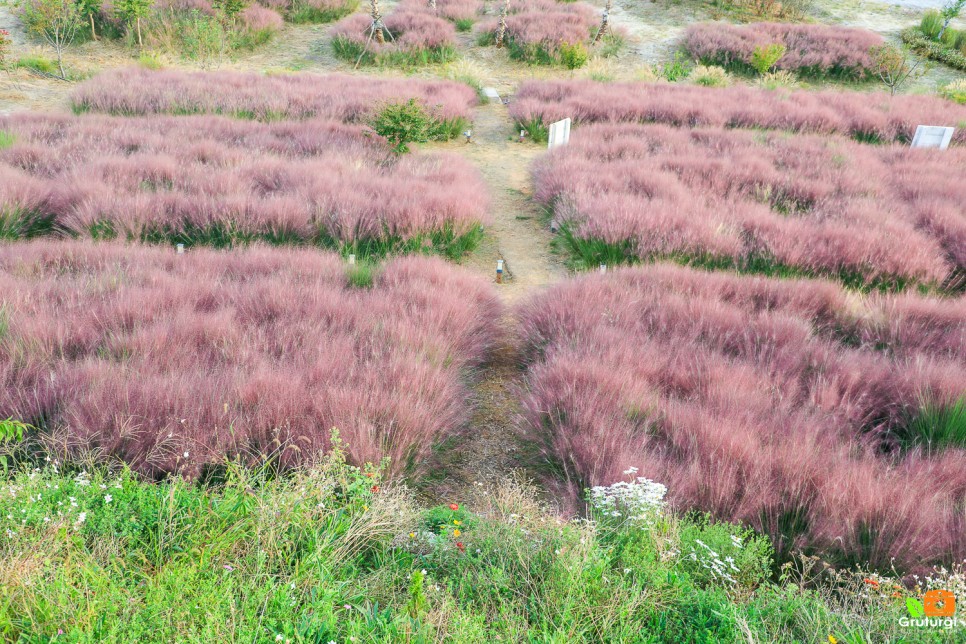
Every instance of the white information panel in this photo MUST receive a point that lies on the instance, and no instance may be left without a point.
(931, 136)
(559, 134)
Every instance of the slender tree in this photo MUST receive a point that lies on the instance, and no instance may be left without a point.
(89, 9)
(131, 12)
(950, 12)
(56, 21)
(892, 66)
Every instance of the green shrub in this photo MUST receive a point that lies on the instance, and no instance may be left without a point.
(955, 91)
(409, 122)
(710, 76)
(6, 139)
(203, 38)
(676, 69)
(303, 12)
(763, 58)
(932, 49)
(150, 60)
(573, 56)
(464, 24)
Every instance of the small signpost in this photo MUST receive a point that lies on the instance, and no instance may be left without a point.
(499, 271)
(932, 136)
(180, 249)
(352, 260)
(559, 134)
(491, 94)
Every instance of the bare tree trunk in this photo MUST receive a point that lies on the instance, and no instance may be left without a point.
(93, 32)
(501, 34)
(376, 21)
(140, 42)
(603, 23)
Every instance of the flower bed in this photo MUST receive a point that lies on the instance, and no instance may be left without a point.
(867, 117)
(219, 181)
(821, 418)
(174, 363)
(811, 50)
(885, 217)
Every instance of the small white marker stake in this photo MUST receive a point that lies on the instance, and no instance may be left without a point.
(352, 260)
(499, 271)
(603, 268)
(181, 249)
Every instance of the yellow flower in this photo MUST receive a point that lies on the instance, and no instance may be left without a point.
(456, 532)
(455, 522)
(365, 508)
(412, 535)
(832, 640)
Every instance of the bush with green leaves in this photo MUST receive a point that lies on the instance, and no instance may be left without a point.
(410, 122)
(764, 57)
(955, 91)
(710, 76)
(678, 68)
(573, 56)
(930, 48)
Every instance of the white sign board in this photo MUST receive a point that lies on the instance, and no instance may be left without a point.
(491, 93)
(931, 136)
(559, 134)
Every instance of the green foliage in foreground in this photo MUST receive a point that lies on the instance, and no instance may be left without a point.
(331, 553)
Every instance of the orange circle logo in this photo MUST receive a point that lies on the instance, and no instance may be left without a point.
(939, 603)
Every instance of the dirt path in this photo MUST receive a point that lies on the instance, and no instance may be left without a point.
(490, 448)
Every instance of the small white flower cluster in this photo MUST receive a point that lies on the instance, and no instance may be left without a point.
(943, 578)
(641, 500)
(721, 569)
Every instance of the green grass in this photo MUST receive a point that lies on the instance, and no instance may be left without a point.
(935, 427)
(37, 64)
(445, 241)
(361, 274)
(351, 51)
(333, 553)
(923, 45)
(6, 139)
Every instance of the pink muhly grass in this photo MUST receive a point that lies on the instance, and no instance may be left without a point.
(140, 354)
(771, 402)
(456, 10)
(132, 91)
(865, 116)
(816, 50)
(412, 30)
(547, 23)
(821, 205)
(260, 20)
(302, 181)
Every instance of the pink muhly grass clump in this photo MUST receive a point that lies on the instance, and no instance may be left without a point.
(771, 402)
(412, 30)
(816, 50)
(132, 91)
(823, 206)
(454, 10)
(865, 116)
(161, 178)
(547, 23)
(260, 20)
(174, 362)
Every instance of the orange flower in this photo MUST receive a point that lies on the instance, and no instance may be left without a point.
(454, 507)
(872, 582)
(375, 489)
(457, 533)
